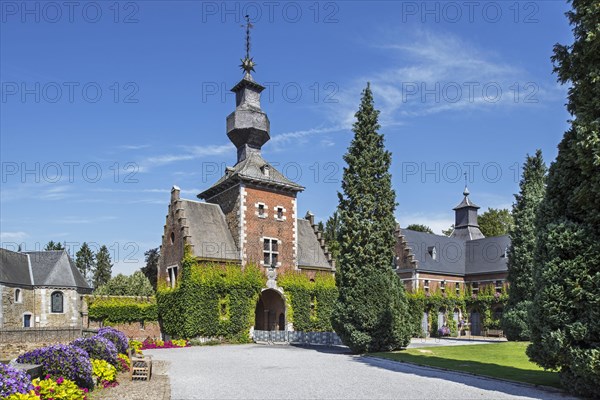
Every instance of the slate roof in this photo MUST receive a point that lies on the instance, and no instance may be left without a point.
(487, 255)
(42, 268)
(251, 170)
(209, 232)
(450, 252)
(14, 268)
(455, 256)
(310, 252)
(466, 202)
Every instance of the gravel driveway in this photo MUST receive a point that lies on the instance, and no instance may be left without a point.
(288, 372)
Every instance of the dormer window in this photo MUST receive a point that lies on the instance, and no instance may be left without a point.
(266, 170)
(432, 252)
(505, 253)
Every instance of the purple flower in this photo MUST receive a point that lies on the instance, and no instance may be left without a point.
(99, 348)
(117, 337)
(13, 380)
(61, 360)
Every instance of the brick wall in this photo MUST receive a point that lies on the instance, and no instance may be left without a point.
(134, 330)
(257, 228)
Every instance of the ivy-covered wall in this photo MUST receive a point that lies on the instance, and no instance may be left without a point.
(121, 309)
(211, 300)
(309, 303)
(486, 301)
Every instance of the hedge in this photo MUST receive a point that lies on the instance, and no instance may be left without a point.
(309, 303)
(114, 310)
(211, 300)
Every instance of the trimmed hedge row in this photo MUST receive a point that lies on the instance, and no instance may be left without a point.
(114, 310)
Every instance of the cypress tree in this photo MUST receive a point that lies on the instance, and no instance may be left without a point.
(565, 315)
(85, 261)
(151, 269)
(523, 236)
(103, 270)
(371, 313)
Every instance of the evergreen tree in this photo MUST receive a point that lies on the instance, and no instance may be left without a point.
(85, 261)
(103, 270)
(332, 235)
(565, 315)
(523, 242)
(371, 313)
(53, 246)
(495, 222)
(419, 228)
(151, 269)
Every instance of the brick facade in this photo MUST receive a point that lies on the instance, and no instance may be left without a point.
(257, 227)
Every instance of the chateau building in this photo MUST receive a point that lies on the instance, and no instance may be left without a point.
(40, 289)
(250, 215)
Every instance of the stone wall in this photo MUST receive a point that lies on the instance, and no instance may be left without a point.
(296, 337)
(21, 340)
(12, 310)
(171, 253)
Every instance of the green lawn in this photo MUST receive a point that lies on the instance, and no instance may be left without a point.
(505, 360)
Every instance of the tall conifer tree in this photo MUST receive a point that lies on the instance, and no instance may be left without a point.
(103, 271)
(371, 313)
(565, 316)
(523, 236)
(86, 262)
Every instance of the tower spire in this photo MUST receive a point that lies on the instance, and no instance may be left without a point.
(248, 63)
(466, 191)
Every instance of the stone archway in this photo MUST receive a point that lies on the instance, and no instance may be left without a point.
(270, 311)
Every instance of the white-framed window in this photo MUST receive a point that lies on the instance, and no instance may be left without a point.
(261, 210)
(280, 213)
(270, 252)
(426, 285)
(475, 286)
(57, 302)
(432, 252)
(498, 286)
(457, 288)
(18, 296)
(172, 278)
(443, 286)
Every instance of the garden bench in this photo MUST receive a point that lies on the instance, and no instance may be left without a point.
(494, 332)
(141, 366)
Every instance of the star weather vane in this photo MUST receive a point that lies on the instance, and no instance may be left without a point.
(248, 63)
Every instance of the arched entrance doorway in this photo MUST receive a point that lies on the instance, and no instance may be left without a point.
(270, 312)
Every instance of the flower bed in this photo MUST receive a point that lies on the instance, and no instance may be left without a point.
(98, 347)
(159, 344)
(117, 337)
(13, 380)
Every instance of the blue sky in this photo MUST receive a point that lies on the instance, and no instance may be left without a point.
(104, 107)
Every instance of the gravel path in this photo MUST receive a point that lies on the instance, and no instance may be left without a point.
(157, 388)
(288, 372)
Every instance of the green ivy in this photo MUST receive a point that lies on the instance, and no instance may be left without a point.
(485, 302)
(211, 300)
(309, 303)
(114, 310)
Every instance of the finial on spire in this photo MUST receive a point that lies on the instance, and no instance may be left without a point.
(248, 63)
(466, 191)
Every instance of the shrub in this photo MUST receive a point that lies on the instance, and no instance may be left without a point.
(103, 371)
(20, 396)
(135, 345)
(13, 380)
(70, 362)
(64, 389)
(122, 309)
(159, 344)
(98, 347)
(117, 337)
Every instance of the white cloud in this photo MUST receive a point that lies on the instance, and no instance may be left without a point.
(12, 236)
(437, 222)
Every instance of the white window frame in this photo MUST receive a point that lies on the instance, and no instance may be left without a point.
(276, 213)
(475, 287)
(270, 251)
(426, 285)
(172, 272)
(258, 206)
